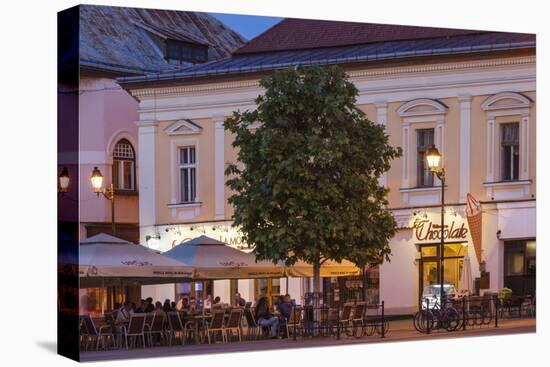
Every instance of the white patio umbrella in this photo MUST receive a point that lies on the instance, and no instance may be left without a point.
(466, 281)
(213, 259)
(108, 260)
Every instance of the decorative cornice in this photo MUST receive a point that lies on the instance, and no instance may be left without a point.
(445, 67)
(378, 72)
(149, 92)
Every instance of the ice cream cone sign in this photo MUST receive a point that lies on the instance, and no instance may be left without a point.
(473, 215)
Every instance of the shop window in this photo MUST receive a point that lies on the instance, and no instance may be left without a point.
(424, 141)
(509, 144)
(520, 266)
(187, 174)
(124, 166)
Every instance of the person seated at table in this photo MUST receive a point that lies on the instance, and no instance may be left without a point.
(285, 306)
(142, 306)
(124, 313)
(173, 306)
(208, 302)
(192, 303)
(216, 300)
(167, 307)
(239, 301)
(158, 309)
(265, 318)
(182, 303)
(150, 307)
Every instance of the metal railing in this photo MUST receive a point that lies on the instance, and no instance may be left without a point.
(468, 312)
(357, 319)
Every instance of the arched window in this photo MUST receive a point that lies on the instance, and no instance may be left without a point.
(124, 166)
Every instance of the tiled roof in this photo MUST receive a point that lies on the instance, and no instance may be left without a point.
(126, 40)
(390, 50)
(300, 34)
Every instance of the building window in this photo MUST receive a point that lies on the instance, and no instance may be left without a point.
(509, 142)
(124, 166)
(424, 140)
(187, 174)
(186, 52)
(520, 266)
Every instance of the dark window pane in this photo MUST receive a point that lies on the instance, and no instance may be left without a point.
(424, 139)
(192, 155)
(115, 173)
(193, 185)
(187, 54)
(172, 51)
(128, 175)
(509, 141)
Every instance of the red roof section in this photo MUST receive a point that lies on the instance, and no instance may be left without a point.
(299, 34)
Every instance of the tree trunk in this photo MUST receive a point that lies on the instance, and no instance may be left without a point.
(316, 280)
(364, 279)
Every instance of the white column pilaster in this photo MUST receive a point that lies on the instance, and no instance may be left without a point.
(465, 122)
(524, 147)
(490, 170)
(219, 167)
(147, 136)
(382, 119)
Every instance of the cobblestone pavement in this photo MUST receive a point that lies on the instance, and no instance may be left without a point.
(401, 330)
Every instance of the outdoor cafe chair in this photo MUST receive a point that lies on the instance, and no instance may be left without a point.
(294, 321)
(216, 326)
(345, 316)
(252, 327)
(96, 335)
(149, 318)
(248, 304)
(83, 334)
(234, 324)
(357, 320)
(135, 330)
(176, 327)
(156, 327)
(324, 320)
(216, 307)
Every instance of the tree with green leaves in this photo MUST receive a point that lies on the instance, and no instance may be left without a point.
(306, 184)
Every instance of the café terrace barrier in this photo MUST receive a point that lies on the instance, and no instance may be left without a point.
(470, 312)
(352, 319)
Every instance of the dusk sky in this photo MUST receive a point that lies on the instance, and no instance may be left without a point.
(248, 26)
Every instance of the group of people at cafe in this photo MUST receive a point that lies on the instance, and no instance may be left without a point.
(269, 317)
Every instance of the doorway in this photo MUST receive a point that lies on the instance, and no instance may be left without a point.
(453, 262)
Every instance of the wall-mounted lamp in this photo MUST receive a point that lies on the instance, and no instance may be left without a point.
(97, 184)
(64, 181)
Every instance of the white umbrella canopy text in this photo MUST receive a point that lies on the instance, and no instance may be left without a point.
(107, 260)
(213, 259)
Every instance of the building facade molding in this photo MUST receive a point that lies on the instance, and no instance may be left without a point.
(183, 127)
(443, 67)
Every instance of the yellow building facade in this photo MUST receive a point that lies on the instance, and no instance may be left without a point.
(478, 110)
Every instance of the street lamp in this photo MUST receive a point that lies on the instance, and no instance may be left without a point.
(64, 181)
(97, 184)
(434, 164)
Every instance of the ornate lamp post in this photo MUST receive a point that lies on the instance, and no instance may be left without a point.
(64, 181)
(434, 161)
(97, 183)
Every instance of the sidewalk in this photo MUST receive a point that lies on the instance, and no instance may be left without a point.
(401, 330)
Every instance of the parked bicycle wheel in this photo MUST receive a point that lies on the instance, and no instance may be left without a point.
(423, 321)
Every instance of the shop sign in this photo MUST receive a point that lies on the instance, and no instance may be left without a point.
(426, 230)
